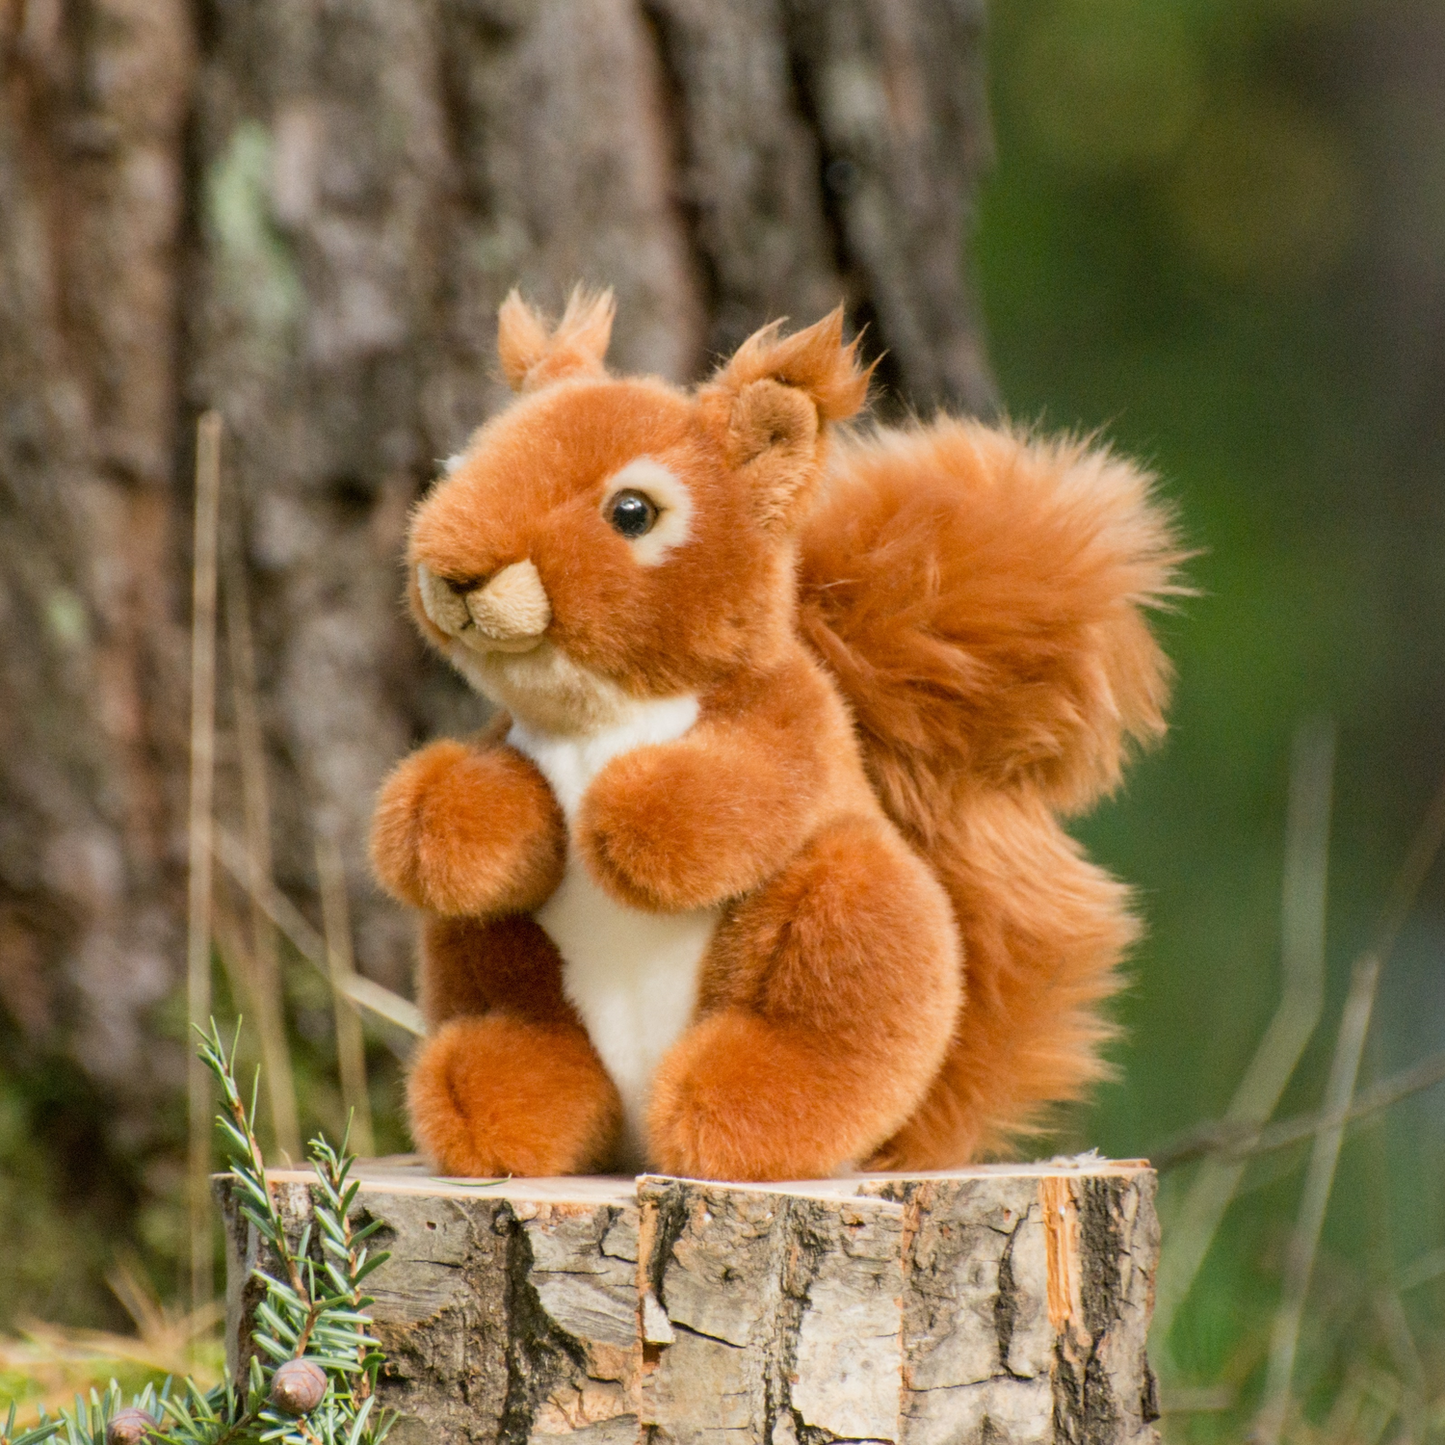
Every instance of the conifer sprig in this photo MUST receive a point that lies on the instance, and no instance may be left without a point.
(312, 1380)
(35, 1435)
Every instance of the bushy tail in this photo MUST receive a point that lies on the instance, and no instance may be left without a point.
(980, 596)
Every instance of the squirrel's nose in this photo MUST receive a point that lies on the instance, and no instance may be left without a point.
(509, 612)
(512, 607)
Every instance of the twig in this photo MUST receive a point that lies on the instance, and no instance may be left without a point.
(1422, 1269)
(350, 1047)
(1198, 1400)
(1240, 1141)
(1302, 910)
(390, 1006)
(269, 1009)
(198, 912)
(1319, 1181)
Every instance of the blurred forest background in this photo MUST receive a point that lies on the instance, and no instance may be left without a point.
(1216, 230)
(1213, 229)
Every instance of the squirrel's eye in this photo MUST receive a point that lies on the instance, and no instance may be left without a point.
(632, 513)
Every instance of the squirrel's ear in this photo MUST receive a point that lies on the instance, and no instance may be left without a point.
(772, 401)
(532, 355)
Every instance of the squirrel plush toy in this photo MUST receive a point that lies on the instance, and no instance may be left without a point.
(759, 873)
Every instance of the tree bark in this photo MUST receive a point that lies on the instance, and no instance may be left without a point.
(993, 1306)
(93, 106)
(305, 214)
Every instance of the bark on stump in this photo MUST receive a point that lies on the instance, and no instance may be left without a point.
(1000, 1303)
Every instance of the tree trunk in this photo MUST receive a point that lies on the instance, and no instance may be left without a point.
(305, 213)
(93, 106)
(1004, 1305)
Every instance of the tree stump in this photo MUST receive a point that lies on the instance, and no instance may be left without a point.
(999, 1303)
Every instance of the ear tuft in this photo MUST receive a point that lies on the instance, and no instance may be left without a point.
(521, 339)
(769, 407)
(533, 356)
(814, 361)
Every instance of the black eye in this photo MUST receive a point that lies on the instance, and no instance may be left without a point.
(632, 513)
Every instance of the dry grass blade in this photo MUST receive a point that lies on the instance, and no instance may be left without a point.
(1424, 849)
(268, 1008)
(57, 1362)
(1319, 1181)
(233, 949)
(385, 1004)
(1239, 1138)
(198, 913)
(390, 1006)
(1303, 929)
(1339, 1099)
(1198, 1399)
(167, 1338)
(1405, 1356)
(1363, 1408)
(350, 1046)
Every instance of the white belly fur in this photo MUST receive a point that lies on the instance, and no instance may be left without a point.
(632, 976)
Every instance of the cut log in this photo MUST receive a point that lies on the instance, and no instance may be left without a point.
(1000, 1303)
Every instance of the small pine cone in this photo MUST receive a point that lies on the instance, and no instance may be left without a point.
(297, 1387)
(130, 1427)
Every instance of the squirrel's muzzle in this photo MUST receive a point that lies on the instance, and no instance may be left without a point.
(509, 612)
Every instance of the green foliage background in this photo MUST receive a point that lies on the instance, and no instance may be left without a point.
(1216, 231)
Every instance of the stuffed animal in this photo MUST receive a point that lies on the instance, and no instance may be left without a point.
(759, 872)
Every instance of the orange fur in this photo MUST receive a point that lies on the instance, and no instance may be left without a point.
(829, 1007)
(462, 831)
(532, 356)
(474, 966)
(747, 786)
(979, 594)
(907, 654)
(508, 1082)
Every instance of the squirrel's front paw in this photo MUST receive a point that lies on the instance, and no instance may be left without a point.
(661, 830)
(463, 831)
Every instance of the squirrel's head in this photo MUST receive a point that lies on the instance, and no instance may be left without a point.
(607, 539)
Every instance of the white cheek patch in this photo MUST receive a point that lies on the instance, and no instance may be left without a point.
(672, 498)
